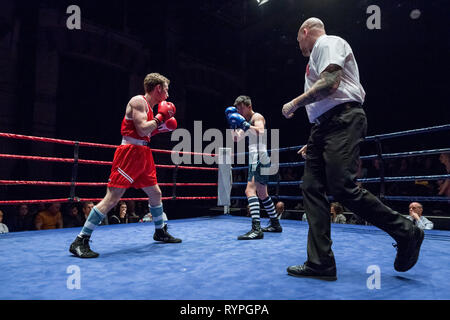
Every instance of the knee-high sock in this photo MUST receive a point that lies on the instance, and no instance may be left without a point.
(270, 208)
(93, 220)
(157, 214)
(253, 204)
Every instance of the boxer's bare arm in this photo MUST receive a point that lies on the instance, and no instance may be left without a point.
(137, 109)
(257, 127)
(258, 124)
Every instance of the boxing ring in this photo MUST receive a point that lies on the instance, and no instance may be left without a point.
(210, 264)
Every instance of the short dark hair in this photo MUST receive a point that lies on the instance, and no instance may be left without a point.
(243, 99)
(85, 204)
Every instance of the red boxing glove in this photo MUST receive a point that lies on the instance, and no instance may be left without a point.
(166, 110)
(170, 125)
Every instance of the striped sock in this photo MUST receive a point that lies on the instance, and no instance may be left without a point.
(157, 214)
(253, 204)
(270, 208)
(93, 220)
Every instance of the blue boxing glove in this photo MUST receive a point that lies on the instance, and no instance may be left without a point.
(235, 120)
(230, 110)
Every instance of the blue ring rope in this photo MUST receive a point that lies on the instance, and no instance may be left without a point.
(365, 180)
(370, 157)
(392, 198)
(379, 136)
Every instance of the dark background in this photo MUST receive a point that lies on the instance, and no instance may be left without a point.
(74, 84)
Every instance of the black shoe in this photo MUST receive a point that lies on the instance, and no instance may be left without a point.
(164, 236)
(274, 226)
(304, 271)
(408, 251)
(254, 234)
(80, 248)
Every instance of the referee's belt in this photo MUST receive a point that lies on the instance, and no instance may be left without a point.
(137, 142)
(336, 110)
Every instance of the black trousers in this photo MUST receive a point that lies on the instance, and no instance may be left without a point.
(331, 166)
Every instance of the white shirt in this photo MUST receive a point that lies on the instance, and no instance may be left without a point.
(3, 228)
(423, 223)
(333, 50)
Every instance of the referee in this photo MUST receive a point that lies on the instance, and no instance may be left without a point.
(333, 100)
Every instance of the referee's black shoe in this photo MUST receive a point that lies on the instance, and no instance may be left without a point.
(80, 248)
(274, 226)
(305, 271)
(408, 250)
(164, 236)
(254, 234)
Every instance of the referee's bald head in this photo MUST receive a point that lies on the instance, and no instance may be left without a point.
(311, 29)
(313, 23)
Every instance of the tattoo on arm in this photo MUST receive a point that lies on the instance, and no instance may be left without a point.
(328, 83)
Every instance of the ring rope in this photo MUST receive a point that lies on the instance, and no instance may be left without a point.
(70, 160)
(90, 144)
(98, 184)
(76, 199)
(375, 137)
(363, 180)
(369, 157)
(394, 198)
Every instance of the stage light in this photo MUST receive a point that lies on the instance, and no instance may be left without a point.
(261, 2)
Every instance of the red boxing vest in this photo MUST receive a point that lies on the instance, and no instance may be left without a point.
(129, 130)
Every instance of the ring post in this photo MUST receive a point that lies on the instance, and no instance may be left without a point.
(174, 181)
(381, 159)
(76, 150)
(224, 179)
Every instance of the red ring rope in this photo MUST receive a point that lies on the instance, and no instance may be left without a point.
(65, 200)
(69, 160)
(90, 144)
(98, 184)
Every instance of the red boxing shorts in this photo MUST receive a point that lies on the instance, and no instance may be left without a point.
(133, 166)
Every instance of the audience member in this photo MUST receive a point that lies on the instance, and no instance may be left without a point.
(336, 211)
(23, 220)
(73, 218)
(3, 227)
(415, 215)
(444, 185)
(280, 210)
(86, 209)
(374, 169)
(362, 172)
(50, 218)
(142, 208)
(289, 175)
(121, 216)
(131, 211)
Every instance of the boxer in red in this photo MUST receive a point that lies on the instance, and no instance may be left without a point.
(133, 164)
